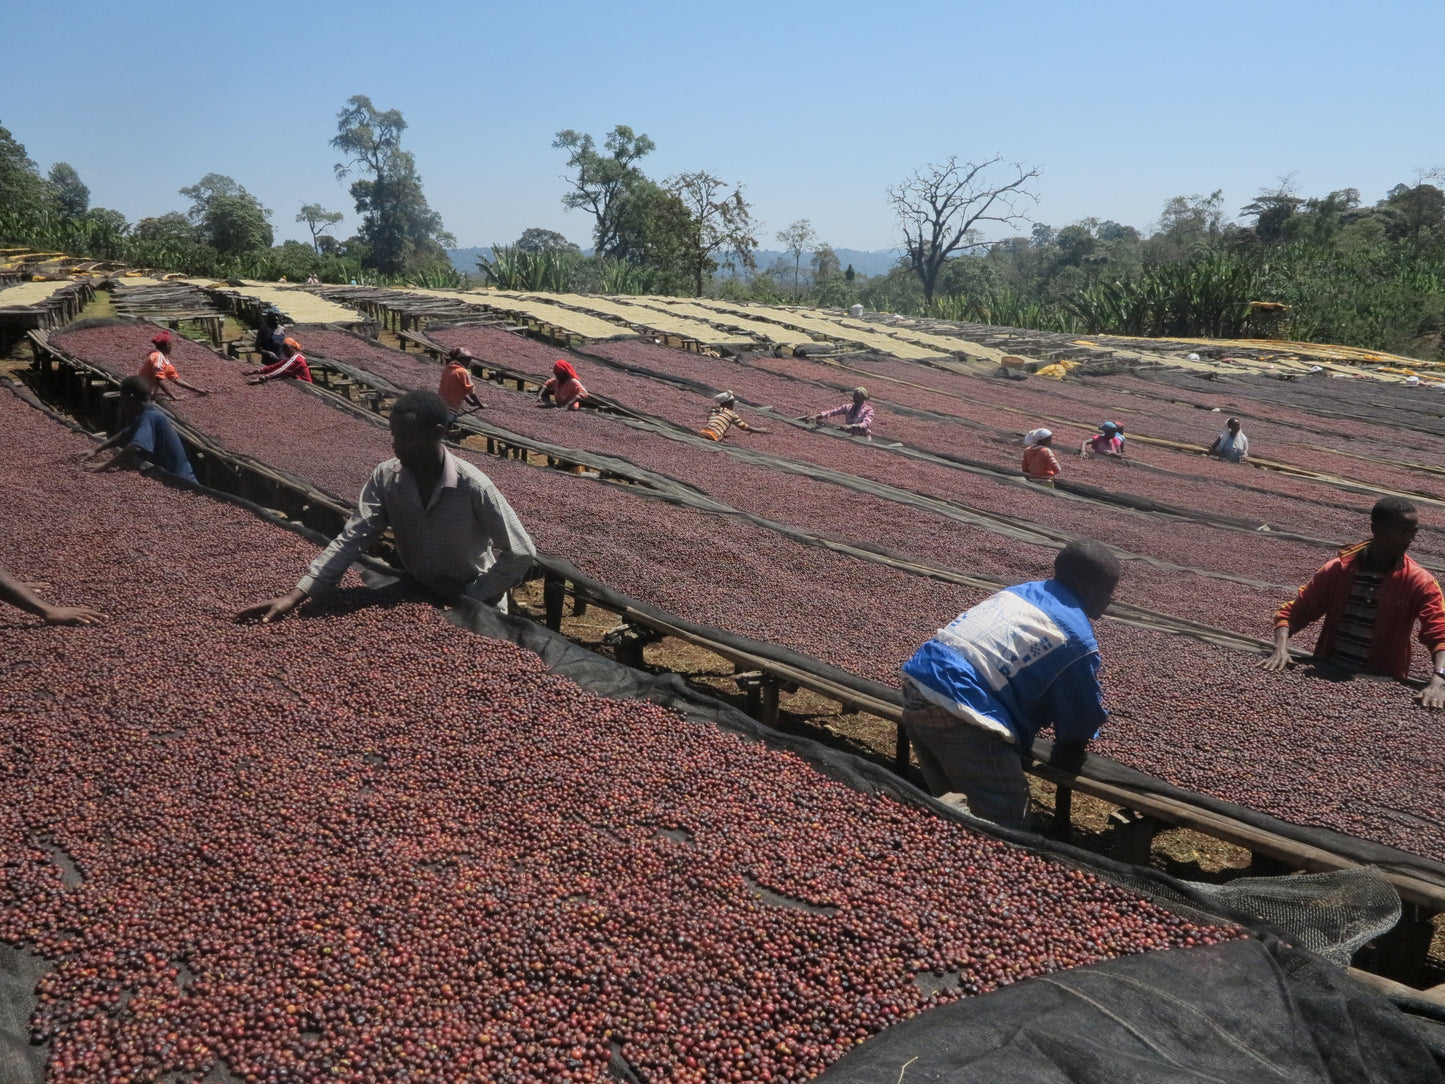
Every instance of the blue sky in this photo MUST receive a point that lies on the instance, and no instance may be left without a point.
(816, 108)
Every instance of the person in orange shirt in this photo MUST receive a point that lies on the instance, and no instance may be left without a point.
(158, 369)
(456, 387)
(564, 390)
(1040, 463)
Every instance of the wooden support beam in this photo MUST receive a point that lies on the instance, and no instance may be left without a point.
(770, 702)
(554, 591)
(1063, 814)
(1133, 835)
(1401, 953)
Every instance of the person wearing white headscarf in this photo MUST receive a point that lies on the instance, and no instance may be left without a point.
(1040, 463)
(723, 417)
(1231, 445)
(857, 416)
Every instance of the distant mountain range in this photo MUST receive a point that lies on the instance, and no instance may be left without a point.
(865, 263)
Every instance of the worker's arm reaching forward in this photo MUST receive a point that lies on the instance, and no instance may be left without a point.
(19, 595)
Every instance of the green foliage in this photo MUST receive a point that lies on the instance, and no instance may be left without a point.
(71, 195)
(535, 239)
(1005, 306)
(515, 268)
(399, 227)
(1204, 297)
(621, 277)
(28, 202)
(227, 217)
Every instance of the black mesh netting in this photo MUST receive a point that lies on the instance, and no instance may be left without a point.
(1238, 1012)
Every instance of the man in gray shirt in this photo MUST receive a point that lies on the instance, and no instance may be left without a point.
(455, 533)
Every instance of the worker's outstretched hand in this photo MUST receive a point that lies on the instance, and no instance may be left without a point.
(72, 615)
(1277, 661)
(1433, 695)
(272, 609)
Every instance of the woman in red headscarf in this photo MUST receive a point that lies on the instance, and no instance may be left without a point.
(564, 390)
(158, 370)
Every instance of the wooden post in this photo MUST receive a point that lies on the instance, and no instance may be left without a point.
(1063, 813)
(770, 701)
(901, 751)
(1401, 953)
(579, 605)
(554, 595)
(1133, 834)
(629, 651)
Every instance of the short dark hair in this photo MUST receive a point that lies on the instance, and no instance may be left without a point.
(426, 408)
(1084, 562)
(1390, 510)
(135, 387)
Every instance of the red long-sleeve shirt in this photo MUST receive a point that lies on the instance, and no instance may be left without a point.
(293, 367)
(1407, 594)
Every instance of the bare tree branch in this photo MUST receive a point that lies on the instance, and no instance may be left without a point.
(940, 204)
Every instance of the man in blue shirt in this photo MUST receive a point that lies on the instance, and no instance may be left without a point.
(1025, 658)
(148, 435)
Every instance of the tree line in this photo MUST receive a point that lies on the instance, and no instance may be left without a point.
(1317, 268)
(226, 231)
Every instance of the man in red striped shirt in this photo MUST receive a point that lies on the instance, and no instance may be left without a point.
(293, 366)
(1371, 596)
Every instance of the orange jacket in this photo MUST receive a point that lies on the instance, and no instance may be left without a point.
(1407, 594)
(1040, 462)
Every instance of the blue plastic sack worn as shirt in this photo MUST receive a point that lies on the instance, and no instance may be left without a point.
(1017, 662)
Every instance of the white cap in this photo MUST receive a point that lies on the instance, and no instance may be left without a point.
(1033, 436)
(724, 397)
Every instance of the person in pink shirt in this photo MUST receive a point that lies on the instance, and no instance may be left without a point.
(857, 416)
(1108, 441)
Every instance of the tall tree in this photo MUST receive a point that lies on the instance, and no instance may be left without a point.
(656, 231)
(938, 206)
(226, 216)
(173, 228)
(722, 225)
(397, 224)
(1414, 213)
(536, 239)
(24, 193)
(826, 265)
(318, 220)
(797, 239)
(603, 180)
(1272, 211)
(70, 191)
